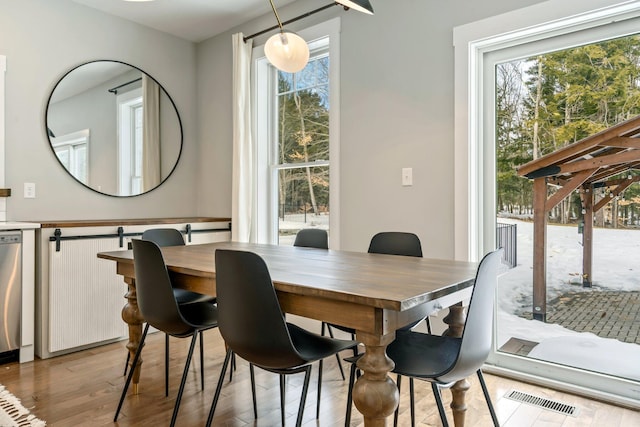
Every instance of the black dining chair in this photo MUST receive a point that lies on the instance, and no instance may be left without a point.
(160, 309)
(444, 360)
(389, 243)
(319, 239)
(172, 237)
(312, 238)
(254, 327)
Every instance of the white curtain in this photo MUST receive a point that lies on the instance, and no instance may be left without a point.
(150, 133)
(243, 181)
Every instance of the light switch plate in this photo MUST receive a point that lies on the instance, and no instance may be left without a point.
(407, 177)
(29, 190)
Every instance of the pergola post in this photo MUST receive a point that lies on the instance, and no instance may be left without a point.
(539, 249)
(592, 162)
(587, 236)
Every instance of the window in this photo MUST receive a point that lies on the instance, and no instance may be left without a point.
(72, 151)
(296, 140)
(479, 48)
(130, 118)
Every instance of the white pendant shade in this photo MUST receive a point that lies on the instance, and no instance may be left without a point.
(287, 52)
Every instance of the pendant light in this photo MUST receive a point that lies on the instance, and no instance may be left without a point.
(359, 5)
(287, 51)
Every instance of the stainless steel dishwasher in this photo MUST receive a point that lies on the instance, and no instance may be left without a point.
(10, 289)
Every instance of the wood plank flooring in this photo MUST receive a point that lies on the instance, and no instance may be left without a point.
(83, 388)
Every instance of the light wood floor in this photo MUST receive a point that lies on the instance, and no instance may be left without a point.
(82, 389)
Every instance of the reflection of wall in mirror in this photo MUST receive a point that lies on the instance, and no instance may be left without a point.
(94, 109)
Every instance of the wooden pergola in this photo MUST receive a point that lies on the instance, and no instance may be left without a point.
(590, 163)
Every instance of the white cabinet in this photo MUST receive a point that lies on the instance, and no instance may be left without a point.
(79, 296)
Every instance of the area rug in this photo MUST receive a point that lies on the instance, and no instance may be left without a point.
(13, 414)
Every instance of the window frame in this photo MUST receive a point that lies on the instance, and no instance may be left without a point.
(71, 143)
(128, 104)
(478, 46)
(264, 84)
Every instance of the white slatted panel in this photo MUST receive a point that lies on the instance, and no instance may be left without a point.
(86, 295)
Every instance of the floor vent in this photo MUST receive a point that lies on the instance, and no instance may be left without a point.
(552, 405)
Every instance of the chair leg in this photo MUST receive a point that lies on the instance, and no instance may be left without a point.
(233, 366)
(428, 322)
(352, 380)
(130, 376)
(166, 365)
(219, 387)
(340, 366)
(202, 360)
(253, 390)
(185, 373)
(397, 411)
(488, 398)
(412, 400)
(282, 397)
(303, 398)
(438, 396)
(337, 355)
(319, 388)
(126, 364)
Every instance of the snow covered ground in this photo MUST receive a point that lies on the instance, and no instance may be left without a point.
(615, 253)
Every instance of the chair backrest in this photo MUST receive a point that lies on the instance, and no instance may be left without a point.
(478, 328)
(395, 243)
(164, 236)
(156, 300)
(249, 315)
(312, 238)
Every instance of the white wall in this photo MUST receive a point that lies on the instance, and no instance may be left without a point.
(396, 111)
(43, 39)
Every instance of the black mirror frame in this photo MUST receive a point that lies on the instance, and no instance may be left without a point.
(50, 134)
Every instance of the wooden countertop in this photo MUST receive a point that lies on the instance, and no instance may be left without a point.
(117, 222)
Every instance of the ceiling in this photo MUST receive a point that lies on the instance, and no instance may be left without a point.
(193, 20)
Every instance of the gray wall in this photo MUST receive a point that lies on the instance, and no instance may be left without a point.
(42, 40)
(396, 111)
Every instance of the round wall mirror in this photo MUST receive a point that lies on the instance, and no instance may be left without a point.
(114, 128)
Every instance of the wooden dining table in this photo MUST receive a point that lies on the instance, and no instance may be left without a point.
(372, 293)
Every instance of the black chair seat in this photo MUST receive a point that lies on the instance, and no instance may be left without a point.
(314, 347)
(437, 354)
(184, 296)
(199, 314)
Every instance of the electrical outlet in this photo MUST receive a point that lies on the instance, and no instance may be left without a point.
(29, 190)
(407, 177)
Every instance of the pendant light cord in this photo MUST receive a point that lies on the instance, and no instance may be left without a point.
(275, 12)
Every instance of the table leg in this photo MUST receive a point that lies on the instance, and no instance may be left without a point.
(133, 319)
(375, 394)
(455, 319)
